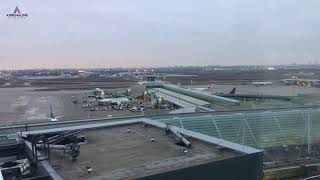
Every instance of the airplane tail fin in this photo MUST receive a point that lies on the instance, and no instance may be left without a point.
(51, 112)
(233, 91)
(209, 86)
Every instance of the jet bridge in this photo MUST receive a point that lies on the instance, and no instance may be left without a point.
(207, 96)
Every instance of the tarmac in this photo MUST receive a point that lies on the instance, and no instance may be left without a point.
(29, 105)
(25, 106)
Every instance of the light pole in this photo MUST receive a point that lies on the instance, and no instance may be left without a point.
(159, 102)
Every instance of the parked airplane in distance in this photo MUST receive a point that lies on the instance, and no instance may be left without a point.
(211, 89)
(262, 83)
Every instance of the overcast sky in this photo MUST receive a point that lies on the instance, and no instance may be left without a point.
(140, 33)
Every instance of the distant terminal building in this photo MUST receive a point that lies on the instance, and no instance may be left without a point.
(83, 73)
(150, 81)
(137, 73)
(124, 74)
(150, 78)
(130, 74)
(5, 76)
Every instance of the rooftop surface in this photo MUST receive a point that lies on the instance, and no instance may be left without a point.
(114, 153)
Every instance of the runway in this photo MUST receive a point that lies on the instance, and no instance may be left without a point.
(25, 106)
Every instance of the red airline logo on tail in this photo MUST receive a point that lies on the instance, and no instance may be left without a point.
(210, 86)
(233, 91)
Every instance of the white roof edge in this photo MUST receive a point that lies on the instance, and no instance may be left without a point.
(221, 142)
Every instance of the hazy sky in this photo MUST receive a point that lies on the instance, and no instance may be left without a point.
(135, 33)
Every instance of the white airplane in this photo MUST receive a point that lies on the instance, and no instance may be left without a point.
(214, 91)
(52, 117)
(209, 88)
(262, 83)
